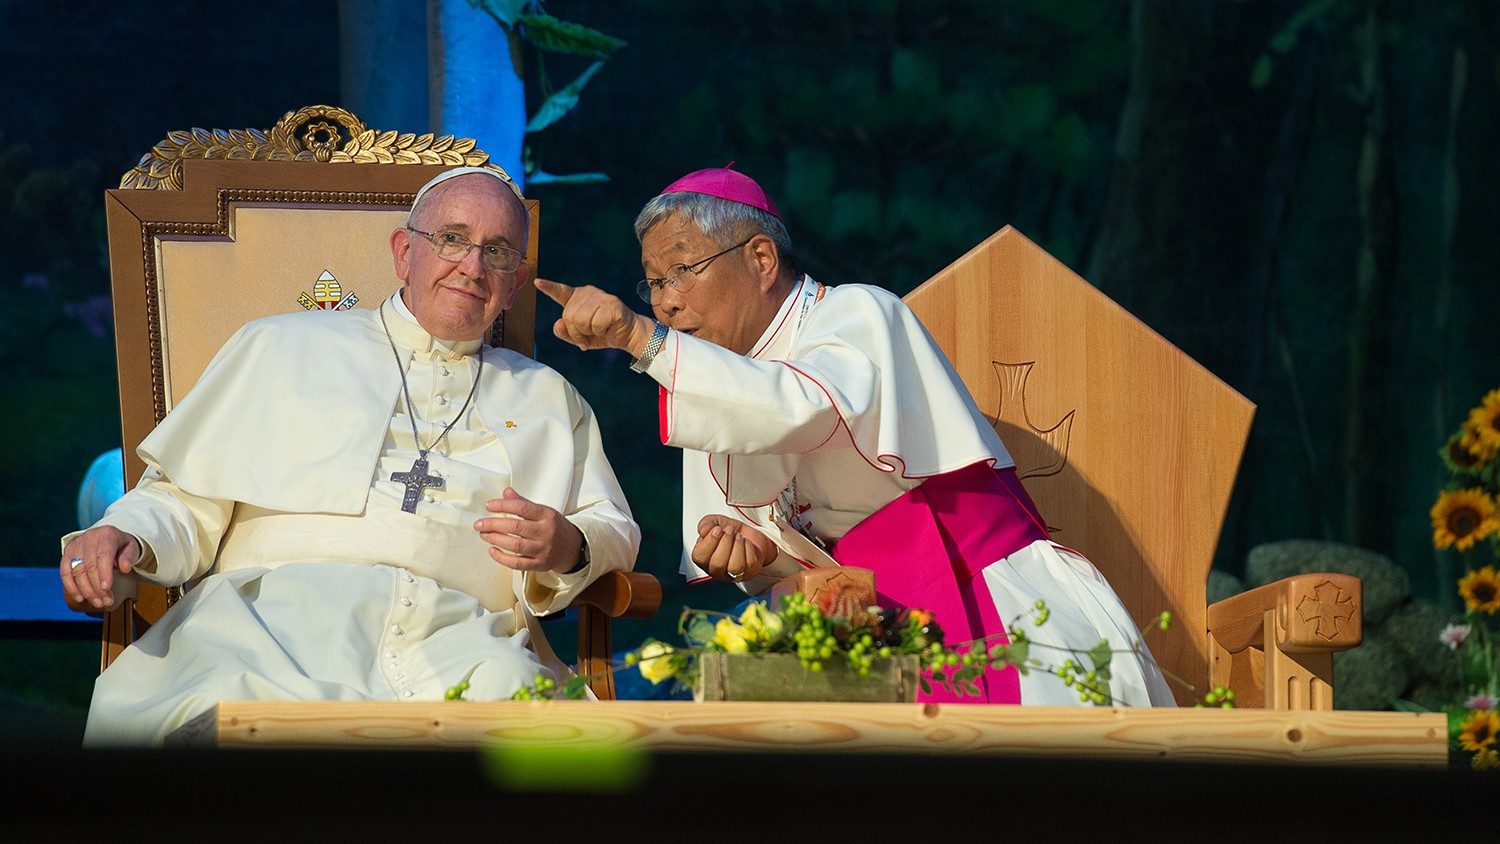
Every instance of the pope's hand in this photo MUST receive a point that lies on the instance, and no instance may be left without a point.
(528, 536)
(731, 550)
(103, 550)
(593, 319)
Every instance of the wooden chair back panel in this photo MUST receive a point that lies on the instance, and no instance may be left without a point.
(1129, 447)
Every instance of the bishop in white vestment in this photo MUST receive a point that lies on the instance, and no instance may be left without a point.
(826, 417)
(283, 489)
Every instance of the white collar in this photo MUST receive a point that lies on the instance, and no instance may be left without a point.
(783, 316)
(406, 331)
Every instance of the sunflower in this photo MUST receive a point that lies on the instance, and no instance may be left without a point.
(1458, 456)
(1486, 760)
(1480, 590)
(1478, 731)
(1462, 517)
(1482, 428)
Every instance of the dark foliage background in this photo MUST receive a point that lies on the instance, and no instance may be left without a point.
(1295, 192)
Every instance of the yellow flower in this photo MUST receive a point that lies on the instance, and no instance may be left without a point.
(657, 663)
(761, 626)
(730, 637)
(1478, 732)
(1462, 517)
(1480, 590)
(1457, 454)
(1486, 760)
(1482, 428)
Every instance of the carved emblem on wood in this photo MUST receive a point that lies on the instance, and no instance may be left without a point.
(1047, 452)
(1329, 611)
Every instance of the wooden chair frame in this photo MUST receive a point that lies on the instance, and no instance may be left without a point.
(1130, 449)
(191, 186)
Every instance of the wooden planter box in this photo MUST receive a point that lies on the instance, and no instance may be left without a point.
(781, 677)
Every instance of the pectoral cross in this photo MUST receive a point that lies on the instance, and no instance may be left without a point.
(416, 480)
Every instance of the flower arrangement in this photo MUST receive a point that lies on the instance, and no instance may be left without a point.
(857, 636)
(1466, 520)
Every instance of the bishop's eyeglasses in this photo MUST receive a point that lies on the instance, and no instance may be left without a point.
(681, 277)
(454, 247)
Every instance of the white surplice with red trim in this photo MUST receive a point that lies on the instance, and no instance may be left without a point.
(844, 404)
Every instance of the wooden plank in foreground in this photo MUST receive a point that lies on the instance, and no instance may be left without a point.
(1240, 735)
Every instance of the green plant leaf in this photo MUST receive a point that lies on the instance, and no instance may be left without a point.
(1260, 73)
(549, 33)
(507, 12)
(561, 101)
(1407, 706)
(573, 689)
(1100, 655)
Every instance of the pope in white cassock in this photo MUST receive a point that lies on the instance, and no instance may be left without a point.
(824, 416)
(465, 491)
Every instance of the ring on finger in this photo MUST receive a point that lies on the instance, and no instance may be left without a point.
(74, 563)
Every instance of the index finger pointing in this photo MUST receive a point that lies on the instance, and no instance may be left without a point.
(554, 290)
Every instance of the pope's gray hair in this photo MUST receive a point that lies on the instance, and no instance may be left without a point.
(724, 221)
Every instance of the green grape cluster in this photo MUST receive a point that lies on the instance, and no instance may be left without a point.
(456, 692)
(862, 653)
(1220, 696)
(541, 688)
(812, 633)
(1090, 685)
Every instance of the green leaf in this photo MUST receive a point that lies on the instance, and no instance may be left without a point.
(1019, 652)
(562, 101)
(573, 689)
(700, 630)
(926, 686)
(542, 177)
(1260, 74)
(1407, 706)
(549, 33)
(504, 11)
(1100, 654)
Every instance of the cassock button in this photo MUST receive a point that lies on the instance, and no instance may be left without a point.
(391, 655)
(444, 370)
(442, 401)
(405, 602)
(409, 692)
(427, 496)
(396, 630)
(406, 576)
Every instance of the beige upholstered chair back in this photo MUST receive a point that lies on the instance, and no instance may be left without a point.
(1129, 447)
(221, 240)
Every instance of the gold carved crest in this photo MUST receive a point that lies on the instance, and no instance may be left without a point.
(316, 133)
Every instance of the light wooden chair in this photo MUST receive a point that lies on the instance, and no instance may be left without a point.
(1130, 449)
(215, 228)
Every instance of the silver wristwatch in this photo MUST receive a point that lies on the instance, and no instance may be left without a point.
(658, 338)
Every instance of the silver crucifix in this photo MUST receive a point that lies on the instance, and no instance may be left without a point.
(416, 480)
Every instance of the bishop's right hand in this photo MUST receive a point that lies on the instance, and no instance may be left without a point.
(729, 549)
(99, 553)
(593, 319)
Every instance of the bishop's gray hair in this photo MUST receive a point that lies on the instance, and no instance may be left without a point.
(724, 221)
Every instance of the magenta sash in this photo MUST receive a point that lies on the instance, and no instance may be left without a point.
(928, 550)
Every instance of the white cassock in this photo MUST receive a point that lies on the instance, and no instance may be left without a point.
(271, 482)
(843, 405)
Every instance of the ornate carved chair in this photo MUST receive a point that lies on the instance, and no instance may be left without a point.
(1130, 449)
(215, 228)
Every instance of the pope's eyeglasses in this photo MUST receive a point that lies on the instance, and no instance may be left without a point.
(454, 247)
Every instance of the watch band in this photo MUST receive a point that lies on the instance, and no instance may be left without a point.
(653, 346)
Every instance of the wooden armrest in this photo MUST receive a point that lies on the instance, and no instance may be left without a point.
(628, 594)
(126, 587)
(1317, 612)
